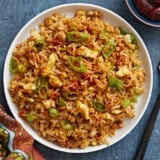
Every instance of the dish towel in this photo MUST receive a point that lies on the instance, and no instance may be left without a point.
(15, 142)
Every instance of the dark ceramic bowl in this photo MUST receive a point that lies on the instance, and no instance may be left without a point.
(139, 16)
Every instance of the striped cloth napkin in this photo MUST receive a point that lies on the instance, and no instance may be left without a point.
(15, 142)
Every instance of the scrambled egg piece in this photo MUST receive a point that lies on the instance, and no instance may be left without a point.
(123, 71)
(35, 35)
(29, 86)
(86, 52)
(47, 69)
(55, 81)
(47, 103)
(109, 116)
(83, 109)
(127, 38)
(51, 60)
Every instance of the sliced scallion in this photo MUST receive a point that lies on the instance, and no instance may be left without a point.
(67, 125)
(75, 36)
(98, 106)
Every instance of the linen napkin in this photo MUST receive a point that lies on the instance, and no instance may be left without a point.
(15, 142)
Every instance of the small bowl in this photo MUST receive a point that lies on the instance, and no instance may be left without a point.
(139, 16)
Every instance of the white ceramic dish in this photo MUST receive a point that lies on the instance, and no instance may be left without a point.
(111, 18)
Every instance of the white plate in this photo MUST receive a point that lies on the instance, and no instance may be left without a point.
(111, 18)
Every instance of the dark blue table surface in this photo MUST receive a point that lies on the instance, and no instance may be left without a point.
(15, 13)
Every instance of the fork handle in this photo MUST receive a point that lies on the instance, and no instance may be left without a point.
(148, 131)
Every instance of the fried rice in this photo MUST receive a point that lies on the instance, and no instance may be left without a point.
(75, 80)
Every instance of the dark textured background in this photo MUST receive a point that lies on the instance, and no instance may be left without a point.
(15, 13)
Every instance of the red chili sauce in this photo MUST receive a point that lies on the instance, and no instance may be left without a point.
(149, 8)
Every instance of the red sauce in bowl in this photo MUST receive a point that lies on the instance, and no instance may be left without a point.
(149, 8)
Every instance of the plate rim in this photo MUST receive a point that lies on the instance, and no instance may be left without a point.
(38, 138)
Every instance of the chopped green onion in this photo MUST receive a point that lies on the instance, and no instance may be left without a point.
(133, 39)
(43, 92)
(126, 102)
(76, 64)
(31, 116)
(22, 68)
(53, 112)
(69, 95)
(16, 156)
(98, 106)
(103, 35)
(109, 48)
(138, 90)
(134, 99)
(112, 67)
(16, 67)
(60, 102)
(132, 36)
(122, 31)
(42, 87)
(115, 83)
(4, 134)
(76, 36)
(39, 44)
(66, 125)
(136, 67)
(13, 66)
